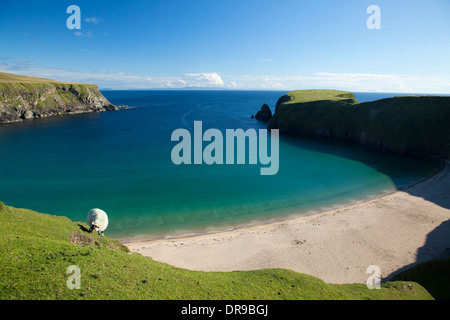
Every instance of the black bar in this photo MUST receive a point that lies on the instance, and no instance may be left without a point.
(226, 309)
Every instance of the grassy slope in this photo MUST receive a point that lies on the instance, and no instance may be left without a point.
(299, 96)
(36, 250)
(10, 77)
(30, 90)
(12, 84)
(405, 125)
(434, 275)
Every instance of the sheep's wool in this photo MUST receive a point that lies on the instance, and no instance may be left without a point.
(99, 217)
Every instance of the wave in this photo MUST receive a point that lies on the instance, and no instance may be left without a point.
(184, 121)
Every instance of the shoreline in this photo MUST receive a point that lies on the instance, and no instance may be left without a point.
(392, 231)
(260, 223)
(285, 218)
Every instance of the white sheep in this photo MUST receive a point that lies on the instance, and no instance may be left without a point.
(97, 221)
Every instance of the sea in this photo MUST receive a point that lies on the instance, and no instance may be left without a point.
(120, 162)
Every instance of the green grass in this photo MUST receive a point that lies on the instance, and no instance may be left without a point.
(299, 96)
(10, 77)
(433, 275)
(40, 87)
(404, 125)
(36, 249)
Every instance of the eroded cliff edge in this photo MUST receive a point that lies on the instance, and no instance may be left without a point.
(409, 125)
(23, 97)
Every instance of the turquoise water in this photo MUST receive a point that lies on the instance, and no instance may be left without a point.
(121, 162)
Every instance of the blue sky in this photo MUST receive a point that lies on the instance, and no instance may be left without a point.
(235, 44)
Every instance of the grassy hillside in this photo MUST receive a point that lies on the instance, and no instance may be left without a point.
(36, 250)
(23, 97)
(10, 77)
(403, 125)
(299, 96)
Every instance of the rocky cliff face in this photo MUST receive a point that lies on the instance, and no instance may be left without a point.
(25, 100)
(411, 125)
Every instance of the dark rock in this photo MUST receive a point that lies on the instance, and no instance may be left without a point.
(264, 114)
(111, 107)
(27, 114)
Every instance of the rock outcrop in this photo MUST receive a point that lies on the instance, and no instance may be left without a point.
(264, 114)
(28, 99)
(409, 125)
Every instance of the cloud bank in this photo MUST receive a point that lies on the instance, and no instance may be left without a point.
(203, 80)
(356, 82)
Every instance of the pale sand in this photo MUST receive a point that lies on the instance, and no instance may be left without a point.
(392, 232)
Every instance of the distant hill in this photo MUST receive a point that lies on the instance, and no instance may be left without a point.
(412, 125)
(24, 97)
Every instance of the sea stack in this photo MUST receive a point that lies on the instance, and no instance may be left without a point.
(264, 114)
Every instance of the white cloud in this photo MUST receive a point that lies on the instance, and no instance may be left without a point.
(233, 84)
(107, 78)
(80, 34)
(203, 80)
(355, 82)
(93, 20)
(385, 82)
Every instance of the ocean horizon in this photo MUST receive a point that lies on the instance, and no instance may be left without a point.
(121, 163)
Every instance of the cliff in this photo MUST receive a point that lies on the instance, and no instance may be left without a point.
(410, 125)
(23, 97)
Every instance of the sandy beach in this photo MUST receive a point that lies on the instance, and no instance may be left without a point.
(393, 232)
